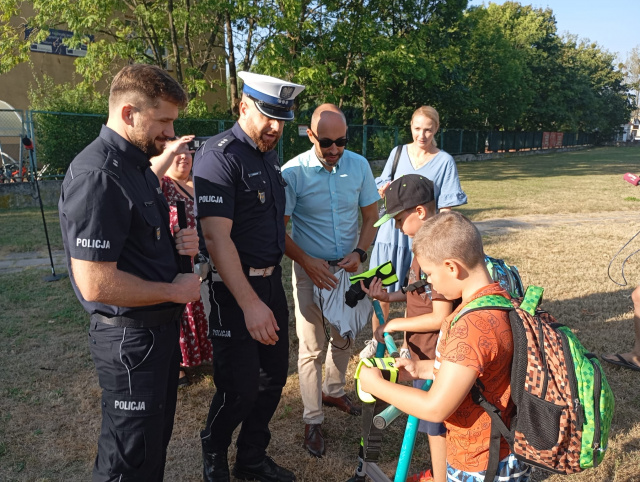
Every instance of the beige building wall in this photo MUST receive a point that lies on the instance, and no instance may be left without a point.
(14, 85)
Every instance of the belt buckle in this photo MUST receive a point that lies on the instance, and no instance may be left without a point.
(263, 272)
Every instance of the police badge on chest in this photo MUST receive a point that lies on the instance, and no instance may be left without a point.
(261, 197)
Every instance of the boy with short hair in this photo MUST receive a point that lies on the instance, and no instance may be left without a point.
(410, 201)
(478, 346)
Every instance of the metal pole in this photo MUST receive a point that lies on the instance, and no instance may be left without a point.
(408, 442)
(29, 146)
(364, 140)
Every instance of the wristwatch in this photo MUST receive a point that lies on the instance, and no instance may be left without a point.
(362, 253)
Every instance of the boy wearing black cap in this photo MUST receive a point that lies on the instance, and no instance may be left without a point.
(410, 201)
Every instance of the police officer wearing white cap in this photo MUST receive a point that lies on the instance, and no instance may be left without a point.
(240, 203)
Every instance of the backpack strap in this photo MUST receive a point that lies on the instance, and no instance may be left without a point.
(394, 167)
(487, 302)
(531, 300)
(498, 427)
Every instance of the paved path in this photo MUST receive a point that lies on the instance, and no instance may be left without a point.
(14, 262)
(18, 261)
(531, 221)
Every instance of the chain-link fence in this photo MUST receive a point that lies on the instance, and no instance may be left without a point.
(60, 136)
(456, 141)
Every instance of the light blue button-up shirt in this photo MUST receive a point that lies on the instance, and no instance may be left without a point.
(324, 205)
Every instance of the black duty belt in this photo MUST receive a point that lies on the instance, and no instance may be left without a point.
(141, 319)
(334, 262)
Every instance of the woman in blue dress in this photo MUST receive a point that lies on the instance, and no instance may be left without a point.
(422, 157)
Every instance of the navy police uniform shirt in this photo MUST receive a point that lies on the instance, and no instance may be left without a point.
(234, 180)
(112, 209)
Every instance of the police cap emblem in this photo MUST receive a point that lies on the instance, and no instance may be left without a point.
(286, 92)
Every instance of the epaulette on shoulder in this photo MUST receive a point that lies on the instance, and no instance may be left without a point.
(221, 143)
(113, 164)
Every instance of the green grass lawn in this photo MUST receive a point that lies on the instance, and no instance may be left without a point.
(22, 230)
(582, 181)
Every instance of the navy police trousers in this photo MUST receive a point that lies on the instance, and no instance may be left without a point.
(138, 373)
(248, 375)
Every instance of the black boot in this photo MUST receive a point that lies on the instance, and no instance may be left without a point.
(215, 465)
(265, 471)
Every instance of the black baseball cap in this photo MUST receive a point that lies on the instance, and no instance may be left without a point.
(406, 192)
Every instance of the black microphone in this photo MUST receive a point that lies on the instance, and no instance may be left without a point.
(185, 261)
(28, 145)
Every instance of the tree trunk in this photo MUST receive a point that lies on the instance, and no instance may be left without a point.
(246, 62)
(365, 104)
(187, 37)
(174, 43)
(231, 61)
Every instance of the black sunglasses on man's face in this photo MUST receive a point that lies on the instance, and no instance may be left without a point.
(324, 143)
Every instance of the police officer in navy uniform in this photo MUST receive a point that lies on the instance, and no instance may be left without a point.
(123, 262)
(240, 204)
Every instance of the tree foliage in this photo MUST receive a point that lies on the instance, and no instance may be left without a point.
(487, 68)
(182, 35)
(631, 69)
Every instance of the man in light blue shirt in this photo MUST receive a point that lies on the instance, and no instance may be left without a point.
(326, 187)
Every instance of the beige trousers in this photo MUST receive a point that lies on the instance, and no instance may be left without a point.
(312, 340)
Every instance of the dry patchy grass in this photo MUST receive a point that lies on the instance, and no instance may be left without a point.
(49, 408)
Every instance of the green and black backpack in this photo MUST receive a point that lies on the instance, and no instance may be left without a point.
(563, 402)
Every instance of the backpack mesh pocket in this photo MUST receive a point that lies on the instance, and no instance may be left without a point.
(539, 421)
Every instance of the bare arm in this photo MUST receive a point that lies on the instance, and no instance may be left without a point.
(103, 282)
(317, 269)
(367, 231)
(449, 389)
(420, 324)
(351, 262)
(160, 164)
(258, 317)
(382, 191)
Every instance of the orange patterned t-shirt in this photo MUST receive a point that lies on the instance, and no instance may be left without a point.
(481, 340)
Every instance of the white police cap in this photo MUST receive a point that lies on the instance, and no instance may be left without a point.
(273, 97)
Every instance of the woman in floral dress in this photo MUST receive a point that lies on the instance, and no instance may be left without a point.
(177, 185)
